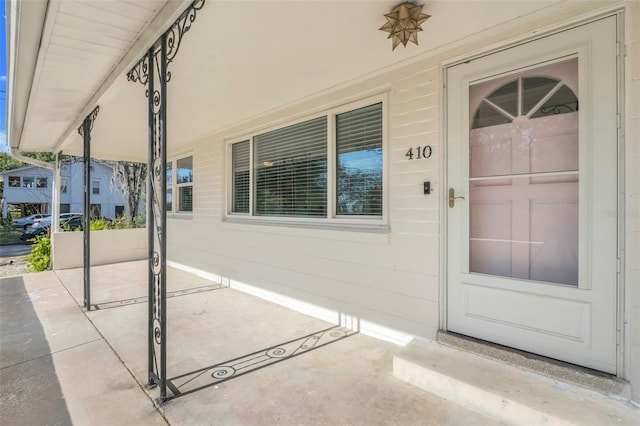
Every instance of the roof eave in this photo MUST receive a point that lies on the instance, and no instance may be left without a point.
(24, 22)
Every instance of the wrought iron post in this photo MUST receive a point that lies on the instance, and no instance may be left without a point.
(152, 69)
(85, 131)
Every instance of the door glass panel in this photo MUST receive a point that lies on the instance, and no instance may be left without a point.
(524, 179)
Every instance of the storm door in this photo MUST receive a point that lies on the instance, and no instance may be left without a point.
(532, 172)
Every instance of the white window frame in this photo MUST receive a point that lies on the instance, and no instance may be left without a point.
(175, 187)
(12, 179)
(332, 219)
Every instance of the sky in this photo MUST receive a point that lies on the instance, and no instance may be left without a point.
(3, 81)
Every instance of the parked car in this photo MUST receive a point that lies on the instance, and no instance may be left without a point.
(46, 222)
(27, 221)
(68, 221)
(33, 232)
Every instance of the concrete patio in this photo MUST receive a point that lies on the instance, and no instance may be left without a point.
(60, 365)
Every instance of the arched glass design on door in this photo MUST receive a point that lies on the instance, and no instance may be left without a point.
(524, 175)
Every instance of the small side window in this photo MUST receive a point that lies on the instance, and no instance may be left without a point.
(184, 183)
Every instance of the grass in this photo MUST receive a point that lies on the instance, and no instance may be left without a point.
(9, 237)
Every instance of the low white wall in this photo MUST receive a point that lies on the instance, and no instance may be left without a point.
(111, 246)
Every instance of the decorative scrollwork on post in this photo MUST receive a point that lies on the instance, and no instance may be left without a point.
(151, 71)
(90, 118)
(85, 131)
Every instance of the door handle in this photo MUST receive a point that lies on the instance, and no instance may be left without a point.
(453, 198)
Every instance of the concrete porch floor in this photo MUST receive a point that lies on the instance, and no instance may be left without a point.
(61, 365)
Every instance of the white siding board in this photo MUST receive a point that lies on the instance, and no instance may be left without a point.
(102, 38)
(371, 294)
(105, 46)
(125, 9)
(92, 14)
(95, 37)
(84, 48)
(79, 23)
(101, 59)
(89, 66)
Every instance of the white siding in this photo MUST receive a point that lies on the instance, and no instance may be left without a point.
(390, 278)
(632, 211)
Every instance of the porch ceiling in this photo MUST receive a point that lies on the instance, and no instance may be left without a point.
(240, 58)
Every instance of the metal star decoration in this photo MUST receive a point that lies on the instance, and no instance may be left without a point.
(403, 23)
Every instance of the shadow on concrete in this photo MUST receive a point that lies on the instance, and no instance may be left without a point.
(209, 376)
(145, 299)
(27, 372)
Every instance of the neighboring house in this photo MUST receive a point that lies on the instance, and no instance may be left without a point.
(30, 190)
(485, 182)
(27, 189)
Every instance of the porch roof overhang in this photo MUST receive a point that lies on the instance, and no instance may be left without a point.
(239, 60)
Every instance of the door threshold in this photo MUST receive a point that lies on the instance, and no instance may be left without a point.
(584, 377)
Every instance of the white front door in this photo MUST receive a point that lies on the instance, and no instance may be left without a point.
(532, 172)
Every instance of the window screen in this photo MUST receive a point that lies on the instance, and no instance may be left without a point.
(290, 167)
(359, 161)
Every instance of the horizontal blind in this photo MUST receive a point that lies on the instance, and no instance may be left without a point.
(359, 161)
(290, 168)
(186, 198)
(240, 164)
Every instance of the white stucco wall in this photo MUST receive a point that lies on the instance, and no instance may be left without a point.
(111, 246)
(392, 278)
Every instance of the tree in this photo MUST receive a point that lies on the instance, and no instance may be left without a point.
(7, 162)
(130, 178)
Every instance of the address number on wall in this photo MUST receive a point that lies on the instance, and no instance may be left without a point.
(420, 152)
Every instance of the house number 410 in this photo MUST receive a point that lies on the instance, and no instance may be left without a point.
(421, 152)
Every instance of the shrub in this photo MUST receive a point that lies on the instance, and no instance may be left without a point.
(99, 225)
(6, 225)
(40, 257)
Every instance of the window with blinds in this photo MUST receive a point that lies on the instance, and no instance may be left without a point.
(285, 172)
(184, 183)
(240, 180)
(359, 162)
(290, 170)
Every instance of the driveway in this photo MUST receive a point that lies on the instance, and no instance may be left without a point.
(14, 250)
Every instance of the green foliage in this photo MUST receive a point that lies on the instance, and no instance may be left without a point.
(5, 225)
(40, 257)
(8, 234)
(7, 162)
(124, 222)
(121, 222)
(99, 224)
